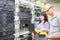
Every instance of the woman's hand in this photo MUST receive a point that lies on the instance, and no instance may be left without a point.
(32, 34)
(37, 35)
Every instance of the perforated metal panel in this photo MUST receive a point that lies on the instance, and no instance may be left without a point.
(7, 28)
(25, 12)
(1, 3)
(10, 5)
(25, 18)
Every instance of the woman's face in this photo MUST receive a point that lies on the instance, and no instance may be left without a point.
(41, 18)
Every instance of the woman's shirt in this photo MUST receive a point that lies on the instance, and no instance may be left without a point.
(43, 26)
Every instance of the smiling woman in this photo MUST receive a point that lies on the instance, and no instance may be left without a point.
(42, 27)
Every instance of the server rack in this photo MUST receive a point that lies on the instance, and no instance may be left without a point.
(7, 28)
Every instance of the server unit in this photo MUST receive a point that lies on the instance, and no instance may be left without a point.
(25, 17)
(7, 28)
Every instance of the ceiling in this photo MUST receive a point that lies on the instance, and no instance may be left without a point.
(50, 1)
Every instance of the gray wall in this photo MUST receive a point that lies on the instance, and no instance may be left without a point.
(57, 7)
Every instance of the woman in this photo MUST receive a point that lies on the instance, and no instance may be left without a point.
(43, 25)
